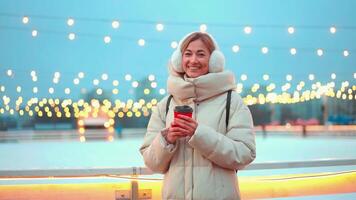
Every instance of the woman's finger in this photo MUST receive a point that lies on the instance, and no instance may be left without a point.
(185, 124)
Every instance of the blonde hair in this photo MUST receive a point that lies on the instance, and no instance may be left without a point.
(205, 38)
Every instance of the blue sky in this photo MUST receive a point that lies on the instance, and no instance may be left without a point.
(51, 51)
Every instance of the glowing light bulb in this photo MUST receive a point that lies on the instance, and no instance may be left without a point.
(289, 77)
(128, 77)
(293, 51)
(333, 76)
(320, 52)
(332, 30)
(9, 72)
(265, 77)
(57, 75)
(34, 33)
(151, 77)
(71, 36)
(81, 74)
(115, 24)
(311, 77)
(203, 28)
(99, 91)
(291, 30)
(34, 89)
(134, 84)
(104, 77)
(115, 83)
(236, 48)
(159, 27)
(346, 53)
(264, 50)
(67, 91)
(248, 30)
(76, 81)
(51, 90)
(174, 44)
(25, 20)
(141, 42)
(107, 39)
(162, 91)
(153, 84)
(70, 22)
(95, 82)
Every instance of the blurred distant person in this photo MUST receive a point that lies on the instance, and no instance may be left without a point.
(199, 155)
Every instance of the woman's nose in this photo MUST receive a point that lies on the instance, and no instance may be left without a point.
(194, 59)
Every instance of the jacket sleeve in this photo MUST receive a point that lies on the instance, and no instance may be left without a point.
(236, 149)
(156, 153)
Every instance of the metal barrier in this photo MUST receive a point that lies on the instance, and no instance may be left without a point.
(129, 186)
(79, 172)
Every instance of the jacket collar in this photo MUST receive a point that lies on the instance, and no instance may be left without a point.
(201, 88)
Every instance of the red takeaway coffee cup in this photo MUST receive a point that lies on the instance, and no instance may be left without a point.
(183, 110)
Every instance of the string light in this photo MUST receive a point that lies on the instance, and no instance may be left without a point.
(9, 72)
(25, 20)
(81, 74)
(264, 50)
(71, 36)
(332, 29)
(236, 48)
(95, 82)
(174, 44)
(76, 81)
(248, 30)
(115, 83)
(162, 91)
(115, 24)
(293, 51)
(346, 53)
(67, 91)
(151, 77)
(104, 77)
(311, 77)
(99, 91)
(265, 77)
(141, 42)
(134, 84)
(35, 90)
(333, 76)
(51, 90)
(291, 30)
(243, 77)
(107, 39)
(70, 22)
(57, 75)
(153, 84)
(203, 28)
(34, 33)
(289, 77)
(320, 52)
(159, 27)
(128, 77)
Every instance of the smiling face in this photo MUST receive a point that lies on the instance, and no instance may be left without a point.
(195, 59)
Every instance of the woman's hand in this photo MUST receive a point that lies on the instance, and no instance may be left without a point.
(185, 125)
(173, 134)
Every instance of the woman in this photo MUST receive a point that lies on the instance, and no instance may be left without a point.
(199, 156)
